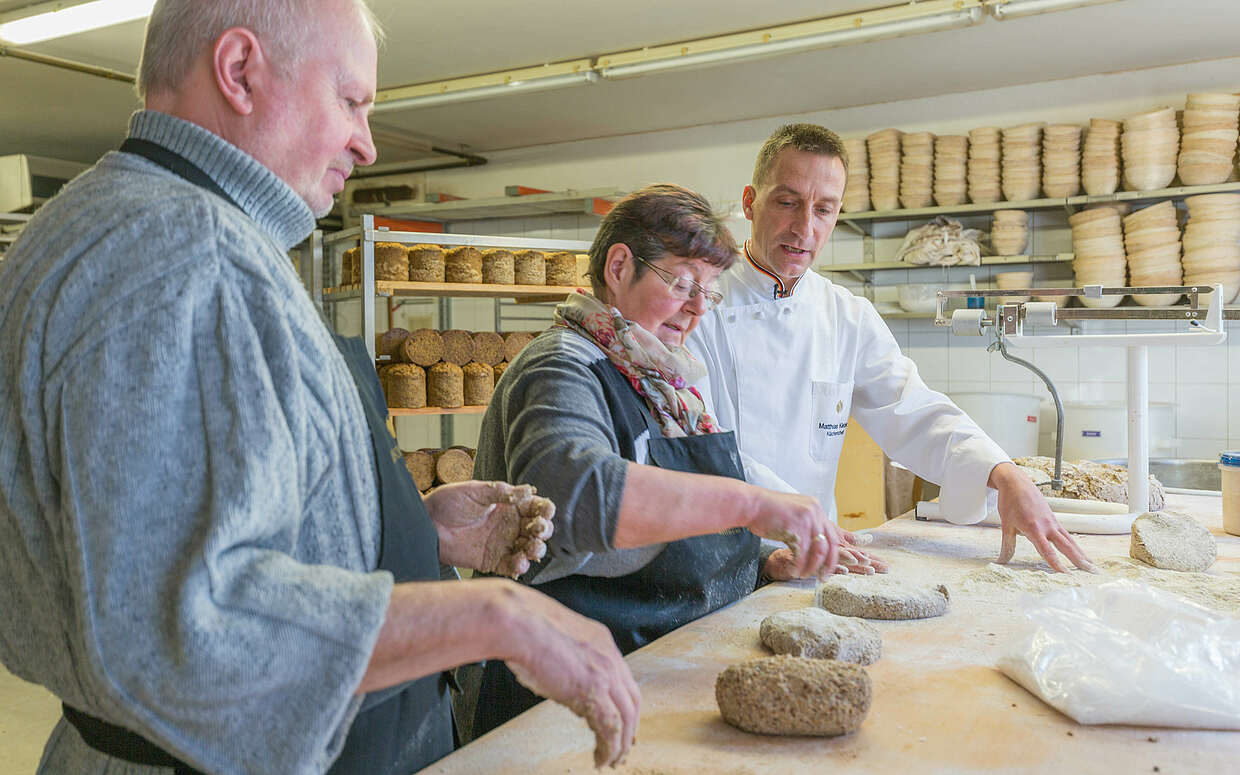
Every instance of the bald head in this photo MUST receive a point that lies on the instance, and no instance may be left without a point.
(180, 32)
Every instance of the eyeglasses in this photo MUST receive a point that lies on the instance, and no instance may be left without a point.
(681, 287)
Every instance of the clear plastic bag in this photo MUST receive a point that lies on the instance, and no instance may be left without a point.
(1126, 653)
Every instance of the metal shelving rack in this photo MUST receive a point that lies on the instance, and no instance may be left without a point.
(320, 266)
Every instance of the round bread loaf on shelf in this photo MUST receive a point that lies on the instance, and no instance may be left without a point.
(499, 369)
(498, 267)
(454, 465)
(458, 346)
(488, 347)
(445, 386)
(423, 346)
(390, 343)
(351, 267)
(479, 383)
(530, 267)
(426, 264)
(391, 262)
(404, 385)
(421, 465)
(463, 265)
(562, 269)
(515, 342)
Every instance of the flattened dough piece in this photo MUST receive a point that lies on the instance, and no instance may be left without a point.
(794, 696)
(818, 634)
(1172, 540)
(881, 597)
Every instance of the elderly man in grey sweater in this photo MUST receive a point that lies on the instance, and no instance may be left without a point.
(190, 530)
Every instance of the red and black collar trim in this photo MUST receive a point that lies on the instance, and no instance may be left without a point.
(779, 291)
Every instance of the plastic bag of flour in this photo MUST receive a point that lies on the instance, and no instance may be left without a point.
(1126, 653)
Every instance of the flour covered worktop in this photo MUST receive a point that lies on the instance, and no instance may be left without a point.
(939, 706)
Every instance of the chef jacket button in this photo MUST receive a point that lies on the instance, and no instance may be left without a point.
(731, 318)
(787, 310)
(757, 316)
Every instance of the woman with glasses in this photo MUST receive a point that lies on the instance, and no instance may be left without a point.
(655, 523)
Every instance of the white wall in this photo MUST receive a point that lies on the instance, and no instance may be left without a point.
(717, 161)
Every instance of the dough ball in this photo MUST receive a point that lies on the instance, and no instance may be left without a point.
(794, 696)
(815, 633)
(881, 596)
(1173, 541)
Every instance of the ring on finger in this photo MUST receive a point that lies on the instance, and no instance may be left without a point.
(821, 537)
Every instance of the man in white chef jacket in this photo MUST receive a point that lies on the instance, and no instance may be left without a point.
(792, 357)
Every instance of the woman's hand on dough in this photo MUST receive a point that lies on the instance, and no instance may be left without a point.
(565, 657)
(799, 522)
(1024, 511)
(781, 564)
(493, 527)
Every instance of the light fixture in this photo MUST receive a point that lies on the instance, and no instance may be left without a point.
(1012, 9)
(894, 21)
(59, 21)
(523, 81)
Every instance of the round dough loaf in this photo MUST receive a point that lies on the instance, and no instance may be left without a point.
(463, 265)
(426, 264)
(404, 385)
(488, 347)
(445, 386)
(391, 262)
(1174, 541)
(818, 634)
(423, 346)
(514, 343)
(562, 269)
(530, 267)
(498, 267)
(881, 596)
(794, 696)
(479, 383)
(458, 346)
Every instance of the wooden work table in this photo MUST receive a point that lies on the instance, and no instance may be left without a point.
(940, 704)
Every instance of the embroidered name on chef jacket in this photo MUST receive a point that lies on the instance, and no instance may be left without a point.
(835, 428)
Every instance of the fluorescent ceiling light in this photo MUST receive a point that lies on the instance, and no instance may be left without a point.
(895, 21)
(1012, 9)
(73, 20)
(523, 81)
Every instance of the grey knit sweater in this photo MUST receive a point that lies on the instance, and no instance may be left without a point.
(188, 518)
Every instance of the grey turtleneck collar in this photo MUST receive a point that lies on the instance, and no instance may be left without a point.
(273, 205)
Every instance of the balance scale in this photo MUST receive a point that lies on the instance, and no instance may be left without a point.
(1007, 325)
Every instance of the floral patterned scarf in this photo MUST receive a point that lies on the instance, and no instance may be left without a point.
(660, 374)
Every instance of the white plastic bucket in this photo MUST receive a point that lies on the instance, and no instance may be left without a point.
(1098, 430)
(1011, 419)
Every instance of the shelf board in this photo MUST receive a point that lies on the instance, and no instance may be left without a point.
(582, 202)
(434, 411)
(528, 293)
(1039, 204)
(986, 261)
(383, 234)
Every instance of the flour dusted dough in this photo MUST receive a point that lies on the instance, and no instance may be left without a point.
(794, 696)
(1173, 541)
(1086, 480)
(815, 633)
(881, 596)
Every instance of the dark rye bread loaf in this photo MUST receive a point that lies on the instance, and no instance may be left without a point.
(458, 346)
(562, 269)
(445, 386)
(479, 383)
(463, 265)
(488, 347)
(404, 385)
(421, 465)
(426, 264)
(530, 267)
(498, 267)
(423, 346)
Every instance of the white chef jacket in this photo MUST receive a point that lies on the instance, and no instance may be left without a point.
(787, 374)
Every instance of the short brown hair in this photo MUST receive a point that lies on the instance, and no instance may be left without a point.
(659, 220)
(810, 138)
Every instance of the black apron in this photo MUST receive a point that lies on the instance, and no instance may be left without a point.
(398, 730)
(687, 580)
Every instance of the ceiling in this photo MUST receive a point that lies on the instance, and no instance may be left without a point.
(53, 112)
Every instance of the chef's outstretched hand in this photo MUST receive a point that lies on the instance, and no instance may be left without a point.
(493, 527)
(781, 564)
(566, 657)
(1023, 511)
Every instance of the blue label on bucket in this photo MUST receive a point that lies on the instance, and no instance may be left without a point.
(1092, 434)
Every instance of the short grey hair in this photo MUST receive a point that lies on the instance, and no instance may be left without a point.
(178, 31)
(810, 138)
